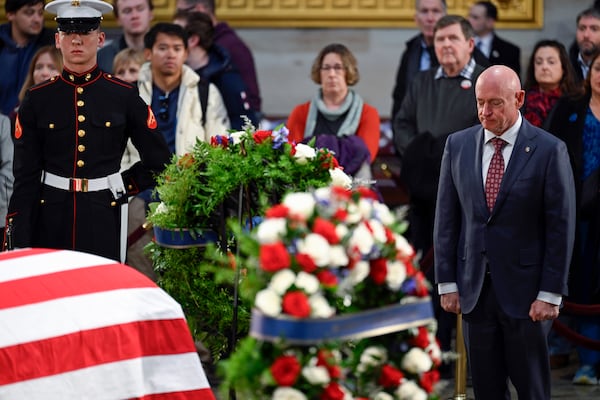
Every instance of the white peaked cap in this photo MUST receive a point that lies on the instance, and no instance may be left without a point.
(78, 8)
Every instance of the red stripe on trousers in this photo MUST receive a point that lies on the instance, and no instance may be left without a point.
(68, 283)
(93, 347)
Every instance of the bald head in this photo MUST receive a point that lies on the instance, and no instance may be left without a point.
(499, 98)
(500, 75)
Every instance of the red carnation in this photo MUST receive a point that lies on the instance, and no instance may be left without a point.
(340, 215)
(326, 229)
(274, 257)
(378, 270)
(219, 140)
(367, 193)
(410, 268)
(328, 161)
(341, 192)
(429, 379)
(261, 136)
(390, 377)
(327, 278)
(296, 303)
(285, 370)
(277, 211)
(333, 391)
(306, 262)
(326, 359)
(422, 338)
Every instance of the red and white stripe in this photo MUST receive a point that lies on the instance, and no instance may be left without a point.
(79, 326)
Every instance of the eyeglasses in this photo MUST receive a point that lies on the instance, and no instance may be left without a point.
(163, 111)
(336, 67)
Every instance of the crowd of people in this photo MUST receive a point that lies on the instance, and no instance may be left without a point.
(92, 120)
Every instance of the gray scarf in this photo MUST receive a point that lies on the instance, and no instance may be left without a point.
(353, 103)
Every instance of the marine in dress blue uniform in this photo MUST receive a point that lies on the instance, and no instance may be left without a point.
(69, 138)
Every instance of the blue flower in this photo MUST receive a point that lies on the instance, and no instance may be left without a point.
(280, 136)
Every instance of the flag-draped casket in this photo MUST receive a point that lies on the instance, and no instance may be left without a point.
(79, 326)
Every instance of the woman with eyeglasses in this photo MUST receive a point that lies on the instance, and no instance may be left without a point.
(337, 116)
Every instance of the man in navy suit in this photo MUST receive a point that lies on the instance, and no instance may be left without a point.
(483, 16)
(503, 263)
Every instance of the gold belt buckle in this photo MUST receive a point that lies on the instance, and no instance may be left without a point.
(78, 184)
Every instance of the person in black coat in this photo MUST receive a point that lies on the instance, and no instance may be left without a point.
(587, 41)
(575, 120)
(483, 16)
(419, 54)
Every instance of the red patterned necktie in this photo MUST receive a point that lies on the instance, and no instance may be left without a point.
(495, 173)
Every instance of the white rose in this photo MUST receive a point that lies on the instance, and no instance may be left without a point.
(319, 306)
(365, 207)
(340, 178)
(396, 274)
(361, 239)
(383, 396)
(359, 272)
(404, 248)
(236, 137)
(269, 302)
(271, 230)
(378, 230)
(288, 393)
(383, 213)
(317, 247)
(409, 390)
(373, 356)
(338, 256)
(323, 195)
(281, 281)
(301, 205)
(354, 215)
(416, 361)
(341, 231)
(307, 282)
(304, 153)
(316, 375)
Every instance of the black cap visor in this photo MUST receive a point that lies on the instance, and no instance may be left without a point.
(78, 25)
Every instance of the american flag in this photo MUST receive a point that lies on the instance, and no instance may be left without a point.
(79, 326)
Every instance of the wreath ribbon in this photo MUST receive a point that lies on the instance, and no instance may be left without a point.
(377, 322)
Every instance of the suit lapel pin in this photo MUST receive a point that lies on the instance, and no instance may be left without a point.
(466, 84)
(527, 149)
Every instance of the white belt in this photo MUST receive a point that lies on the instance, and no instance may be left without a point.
(113, 182)
(77, 184)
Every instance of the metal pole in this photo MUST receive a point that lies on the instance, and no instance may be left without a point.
(460, 373)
